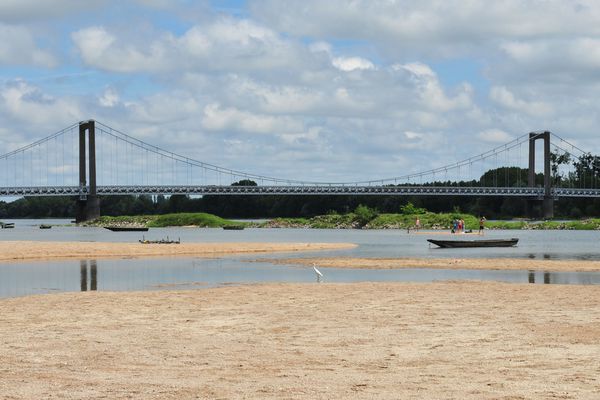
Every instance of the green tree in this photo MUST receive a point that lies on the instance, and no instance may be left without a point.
(363, 214)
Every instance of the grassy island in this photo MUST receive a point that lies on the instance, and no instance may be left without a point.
(362, 218)
(202, 220)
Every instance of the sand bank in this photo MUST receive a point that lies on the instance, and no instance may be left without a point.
(447, 263)
(451, 340)
(30, 250)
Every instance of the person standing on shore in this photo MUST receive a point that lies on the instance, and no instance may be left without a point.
(417, 224)
(481, 225)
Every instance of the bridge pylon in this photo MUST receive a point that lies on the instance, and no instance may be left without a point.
(88, 205)
(547, 199)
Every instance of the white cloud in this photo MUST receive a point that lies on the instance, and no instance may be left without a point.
(100, 48)
(505, 98)
(18, 47)
(22, 101)
(28, 10)
(352, 63)
(218, 118)
(223, 45)
(109, 98)
(409, 24)
(495, 136)
(432, 92)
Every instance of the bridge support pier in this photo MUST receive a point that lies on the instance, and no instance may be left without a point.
(88, 205)
(88, 209)
(547, 200)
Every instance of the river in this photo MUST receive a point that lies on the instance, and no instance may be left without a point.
(24, 278)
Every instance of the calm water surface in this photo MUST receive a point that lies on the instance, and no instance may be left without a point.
(18, 279)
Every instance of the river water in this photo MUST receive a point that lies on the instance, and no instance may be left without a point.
(24, 278)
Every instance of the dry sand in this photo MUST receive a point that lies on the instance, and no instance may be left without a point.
(453, 340)
(23, 250)
(446, 263)
(443, 340)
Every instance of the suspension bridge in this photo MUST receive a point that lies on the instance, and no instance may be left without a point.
(89, 159)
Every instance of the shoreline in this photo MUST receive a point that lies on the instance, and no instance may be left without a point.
(15, 251)
(445, 263)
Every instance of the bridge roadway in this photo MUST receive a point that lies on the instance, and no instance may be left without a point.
(529, 192)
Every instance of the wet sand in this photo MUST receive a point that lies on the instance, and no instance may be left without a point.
(447, 263)
(453, 340)
(30, 250)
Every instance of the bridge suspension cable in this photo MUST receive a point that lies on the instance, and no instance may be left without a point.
(127, 161)
(177, 159)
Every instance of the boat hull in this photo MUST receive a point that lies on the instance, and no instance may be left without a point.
(450, 244)
(125, 229)
(233, 228)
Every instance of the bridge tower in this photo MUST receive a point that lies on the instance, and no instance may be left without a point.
(88, 205)
(547, 200)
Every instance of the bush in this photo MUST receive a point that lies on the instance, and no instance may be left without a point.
(410, 209)
(363, 214)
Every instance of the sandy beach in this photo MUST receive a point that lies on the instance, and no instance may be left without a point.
(442, 340)
(29, 250)
(453, 340)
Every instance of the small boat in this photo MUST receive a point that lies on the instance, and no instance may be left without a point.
(126, 228)
(45, 226)
(7, 225)
(233, 227)
(161, 241)
(475, 243)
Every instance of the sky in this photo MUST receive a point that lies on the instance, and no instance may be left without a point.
(309, 90)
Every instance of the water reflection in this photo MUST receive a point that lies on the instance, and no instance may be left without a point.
(92, 265)
(544, 256)
(547, 276)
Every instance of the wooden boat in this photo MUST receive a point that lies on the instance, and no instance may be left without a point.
(475, 243)
(233, 227)
(161, 241)
(45, 226)
(126, 228)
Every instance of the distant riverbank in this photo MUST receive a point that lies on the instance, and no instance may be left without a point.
(428, 220)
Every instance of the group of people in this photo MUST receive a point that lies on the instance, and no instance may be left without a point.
(458, 226)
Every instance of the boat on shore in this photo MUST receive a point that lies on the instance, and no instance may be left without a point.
(450, 244)
(233, 227)
(160, 241)
(126, 228)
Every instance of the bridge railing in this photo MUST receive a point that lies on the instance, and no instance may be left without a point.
(275, 190)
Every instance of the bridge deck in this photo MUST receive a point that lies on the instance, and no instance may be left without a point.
(536, 192)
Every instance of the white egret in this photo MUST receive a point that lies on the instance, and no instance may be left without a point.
(319, 274)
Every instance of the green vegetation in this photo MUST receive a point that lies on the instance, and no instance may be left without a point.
(158, 221)
(363, 215)
(196, 219)
(362, 218)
